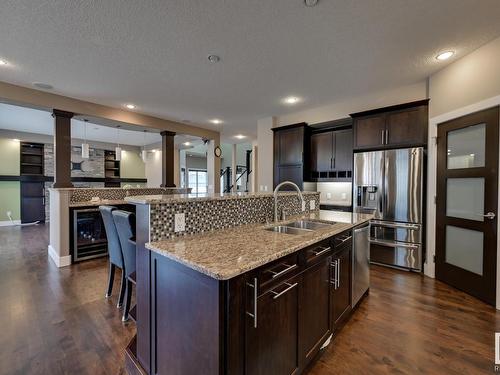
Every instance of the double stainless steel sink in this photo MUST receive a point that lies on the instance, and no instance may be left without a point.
(298, 227)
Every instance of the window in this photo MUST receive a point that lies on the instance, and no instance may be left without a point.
(197, 181)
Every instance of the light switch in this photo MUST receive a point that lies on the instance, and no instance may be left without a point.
(312, 204)
(180, 223)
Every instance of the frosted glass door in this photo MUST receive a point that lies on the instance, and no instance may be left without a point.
(467, 203)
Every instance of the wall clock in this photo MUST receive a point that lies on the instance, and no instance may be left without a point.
(217, 152)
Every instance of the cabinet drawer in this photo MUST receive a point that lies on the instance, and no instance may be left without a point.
(270, 275)
(342, 241)
(317, 252)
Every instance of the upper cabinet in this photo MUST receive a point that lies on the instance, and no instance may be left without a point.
(291, 153)
(331, 155)
(402, 125)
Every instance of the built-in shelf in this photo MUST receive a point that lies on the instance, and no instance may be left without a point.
(31, 170)
(111, 169)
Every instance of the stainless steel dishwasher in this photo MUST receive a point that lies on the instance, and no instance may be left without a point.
(360, 262)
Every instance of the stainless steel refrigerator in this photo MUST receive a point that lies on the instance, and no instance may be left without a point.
(389, 184)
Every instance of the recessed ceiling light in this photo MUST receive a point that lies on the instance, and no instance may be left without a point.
(3, 62)
(187, 143)
(291, 100)
(213, 58)
(216, 121)
(240, 136)
(43, 86)
(445, 55)
(310, 3)
(130, 106)
(16, 140)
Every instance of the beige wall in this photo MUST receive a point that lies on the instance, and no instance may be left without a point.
(131, 165)
(10, 192)
(9, 157)
(338, 110)
(468, 85)
(265, 157)
(469, 80)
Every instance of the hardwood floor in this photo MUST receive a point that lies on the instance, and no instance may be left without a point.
(410, 324)
(57, 321)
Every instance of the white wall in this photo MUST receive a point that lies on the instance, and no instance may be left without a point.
(153, 169)
(468, 85)
(338, 110)
(265, 156)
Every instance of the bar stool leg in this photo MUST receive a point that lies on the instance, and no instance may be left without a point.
(111, 279)
(123, 287)
(128, 297)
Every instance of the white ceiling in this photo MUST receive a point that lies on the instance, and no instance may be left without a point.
(154, 53)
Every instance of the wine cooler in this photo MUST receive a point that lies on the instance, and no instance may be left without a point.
(89, 235)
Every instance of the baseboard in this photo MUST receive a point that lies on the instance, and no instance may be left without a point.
(8, 223)
(59, 261)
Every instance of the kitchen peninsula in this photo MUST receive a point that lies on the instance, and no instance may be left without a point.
(231, 294)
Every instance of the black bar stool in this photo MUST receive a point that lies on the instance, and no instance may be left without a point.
(125, 225)
(114, 250)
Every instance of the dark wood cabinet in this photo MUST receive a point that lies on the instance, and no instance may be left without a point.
(402, 125)
(271, 346)
(343, 150)
(331, 155)
(32, 183)
(291, 153)
(341, 284)
(314, 294)
(322, 151)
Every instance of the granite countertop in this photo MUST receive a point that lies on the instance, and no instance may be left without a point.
(111, 202)
(172, 198)
(227, 253)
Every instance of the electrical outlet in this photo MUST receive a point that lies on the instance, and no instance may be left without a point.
(265, 187)
(312, 204)
(328, 196)
(303, 206)
(180, 223)
(344, 196)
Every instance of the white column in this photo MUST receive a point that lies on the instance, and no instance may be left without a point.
(265, 161)
(254, 180)
(233, 167)
(213, 166)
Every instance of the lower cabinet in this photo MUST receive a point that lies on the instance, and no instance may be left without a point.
(272, 335)
(341, 284)
(314, 323)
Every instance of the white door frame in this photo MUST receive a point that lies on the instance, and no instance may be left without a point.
(429, 266)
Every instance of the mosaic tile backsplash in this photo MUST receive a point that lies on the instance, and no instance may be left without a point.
(208, 215)
(85, 195)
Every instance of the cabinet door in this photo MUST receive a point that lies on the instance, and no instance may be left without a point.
(290, 143)
(369, 131)
(314, 323)
(341, 290)
(343, 150)
(408, 127)
(292, 173)
(271, 348)
(322, 151)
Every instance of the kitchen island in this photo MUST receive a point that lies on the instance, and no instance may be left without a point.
(239, 300)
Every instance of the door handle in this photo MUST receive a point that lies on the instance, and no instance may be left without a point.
(490, 215)
(290, 287)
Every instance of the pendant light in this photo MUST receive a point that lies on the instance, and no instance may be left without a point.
(144, 153)
(118, 149)
(85, 145)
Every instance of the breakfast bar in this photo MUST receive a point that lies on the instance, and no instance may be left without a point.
(249, 297)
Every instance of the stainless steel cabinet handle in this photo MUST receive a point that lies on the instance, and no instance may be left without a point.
(490, 215)
(334, 264)
(387, 137)
(290, 287)
(322, 251)
(395, 225)
(333, 163)
(383, 132)
(287, 269)
(343, 240)
(254, 314)
(394, 244)
(338, 273)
